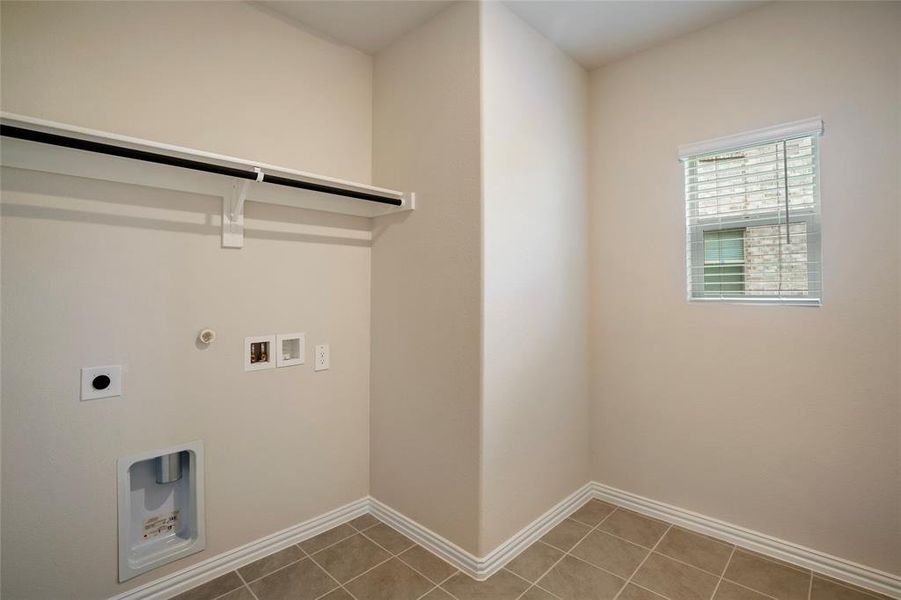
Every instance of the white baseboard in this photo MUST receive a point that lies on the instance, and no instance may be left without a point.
(483, 567)
(839, 568)
(196, 574)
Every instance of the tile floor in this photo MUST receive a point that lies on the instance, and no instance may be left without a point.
(600, 553)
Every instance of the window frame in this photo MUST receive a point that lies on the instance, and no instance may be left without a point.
(811, 215)
(814, 245)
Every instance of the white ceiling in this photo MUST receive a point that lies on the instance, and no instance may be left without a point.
(593, 32)
(367, 25)
(599, 32)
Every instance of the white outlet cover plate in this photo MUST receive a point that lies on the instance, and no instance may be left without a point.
(321, 362)
(281, 360)
(257, 366)
(114, 389)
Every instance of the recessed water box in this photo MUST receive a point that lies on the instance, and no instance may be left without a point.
(161, 516)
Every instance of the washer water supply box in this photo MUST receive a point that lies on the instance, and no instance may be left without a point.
(161, 516)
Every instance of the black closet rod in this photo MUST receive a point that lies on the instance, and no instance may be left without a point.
(33, 135)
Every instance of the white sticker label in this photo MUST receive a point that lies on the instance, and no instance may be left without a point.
(158, 525)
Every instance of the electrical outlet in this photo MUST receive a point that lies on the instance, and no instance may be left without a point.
(322, 358)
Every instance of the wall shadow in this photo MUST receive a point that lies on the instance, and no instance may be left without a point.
(76, 199)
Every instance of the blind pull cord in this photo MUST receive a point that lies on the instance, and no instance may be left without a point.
(785, 175)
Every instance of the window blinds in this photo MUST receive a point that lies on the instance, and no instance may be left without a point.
(753, 222)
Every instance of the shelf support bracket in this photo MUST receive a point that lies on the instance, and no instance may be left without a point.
(233, 212)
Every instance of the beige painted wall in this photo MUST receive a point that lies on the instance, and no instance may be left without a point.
(219, 76)
(535, 446)
(99, 273)
(784, 420)
(426, 275)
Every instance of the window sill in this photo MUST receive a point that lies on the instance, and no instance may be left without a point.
(812, 302)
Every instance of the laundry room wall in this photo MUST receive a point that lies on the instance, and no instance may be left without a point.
(97, 273)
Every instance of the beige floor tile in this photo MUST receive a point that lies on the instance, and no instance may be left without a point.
(427, 563)
(695, 549)
(303, 580)
(534, 561)
(675, 580)
(633, 592)
(503, 585)
(338, 594)
(593, 512)
(351, 557)
(242, 593)
(775, 560)
(270, 563)
(212, 589)
(390, 539)
(438, 594)
(392, 580)
(364, 522)
(611, 553)
(573, 579)
(565, 535)
(733, 591)
(327, 538)
(634, 527)
(826, 588)
(535, 593)
(767, 576)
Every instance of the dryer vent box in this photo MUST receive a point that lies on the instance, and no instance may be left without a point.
(161, 516)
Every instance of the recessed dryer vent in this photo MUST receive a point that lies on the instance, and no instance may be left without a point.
(160, 508)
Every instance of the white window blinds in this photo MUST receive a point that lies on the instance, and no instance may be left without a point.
(753, 220)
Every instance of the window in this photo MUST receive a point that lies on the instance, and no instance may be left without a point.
(753, 216)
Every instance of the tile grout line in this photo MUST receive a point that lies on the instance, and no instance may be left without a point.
(303, 557)
(391, 555)
(535, 585)
(565, 552)
(415, 570)
(437, 585)
(594, 529)
(531, 584)
(716, 588)
(220, 596)
(355, 532)
(613, 535)
(653, 548)
(847, 586)
(682, 562)
(445, 580)
(241, 577)
(340, 585)
(405, 563)
(366, 528)
(641, 564)
(741, 585)
(427, 592)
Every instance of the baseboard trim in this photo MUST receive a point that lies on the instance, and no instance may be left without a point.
(833, 566)
(481, 568)
(495, 560)
(196, 574)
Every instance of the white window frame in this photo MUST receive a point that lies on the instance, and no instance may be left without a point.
(811, 216)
